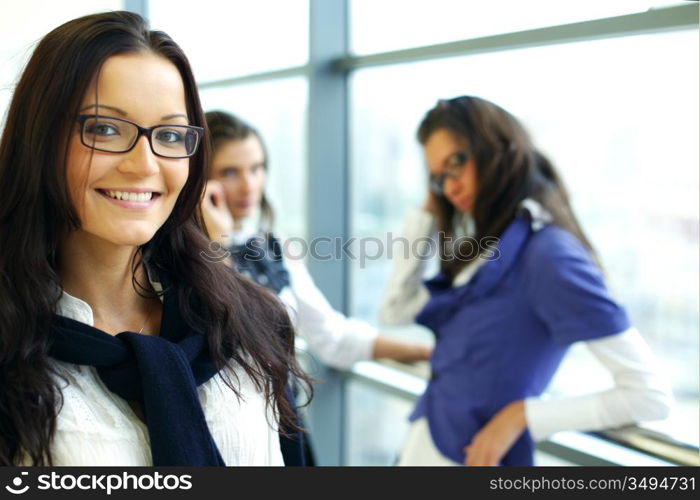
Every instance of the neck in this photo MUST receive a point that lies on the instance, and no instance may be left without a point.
(250, 221)
(100, 273)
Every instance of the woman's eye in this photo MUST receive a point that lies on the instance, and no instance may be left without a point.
(102, 129)
(228, 173)
(456, 162)
(169, 136)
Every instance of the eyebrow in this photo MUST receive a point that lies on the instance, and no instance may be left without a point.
(124, 113)
(232, 166)
(175, 115)
(120, 111)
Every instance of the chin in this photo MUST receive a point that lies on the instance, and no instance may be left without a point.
(465, 209)
(133, 241)
(133, 238)
(461, 209)
(242, 213)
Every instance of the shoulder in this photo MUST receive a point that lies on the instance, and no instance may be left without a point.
(274, 243)
(259, 246)
(554, 256)
(291, 249)
(554, 244)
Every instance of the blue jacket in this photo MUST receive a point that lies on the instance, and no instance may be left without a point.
(501, 336)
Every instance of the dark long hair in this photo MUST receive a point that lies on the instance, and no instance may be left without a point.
(225, 127)
(36, 215)
(509, 169)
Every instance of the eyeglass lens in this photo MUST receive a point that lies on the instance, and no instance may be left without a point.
(119, 136)
(453, 167)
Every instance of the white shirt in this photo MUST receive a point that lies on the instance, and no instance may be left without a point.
(640, 391)
(97, 427)
(338, 341)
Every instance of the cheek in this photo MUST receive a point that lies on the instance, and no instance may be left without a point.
(229, 185)
(230, 191)
(262, 180)
(473, 183)
(468, 180)
(450, 187)
(78, 171)
(178, 177)
(235, 187)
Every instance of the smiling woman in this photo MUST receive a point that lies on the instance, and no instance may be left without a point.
(148, 89)
(101, 172)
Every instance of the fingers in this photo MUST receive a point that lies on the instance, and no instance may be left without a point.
(212, 186)
(214, 194)
(425, 353)
(479, 454)
(474, 456)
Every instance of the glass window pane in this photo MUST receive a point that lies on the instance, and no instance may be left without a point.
(23, 24)
(400, 24)
(374, 438)
(230, 38)
(278, 110)
(619, 117)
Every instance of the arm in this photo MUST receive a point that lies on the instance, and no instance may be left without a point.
(405, 294)
(568, 294)
(338, 340)
(640, 392)
(399, 350)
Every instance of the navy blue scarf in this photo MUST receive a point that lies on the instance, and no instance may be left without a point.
(261, 259)
(162, 373)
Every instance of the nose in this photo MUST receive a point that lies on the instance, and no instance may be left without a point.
(246, 183)
(140, 160)
(451, 187)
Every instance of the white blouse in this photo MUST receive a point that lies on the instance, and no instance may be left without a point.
(336, 339)
(97, 427)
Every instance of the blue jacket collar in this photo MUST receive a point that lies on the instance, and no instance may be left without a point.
(489, 275)
(446, 299)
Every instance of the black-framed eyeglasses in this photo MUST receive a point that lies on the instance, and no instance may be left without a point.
(454, 165)
(116, 135)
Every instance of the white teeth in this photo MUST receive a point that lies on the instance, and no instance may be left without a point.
(127, 196)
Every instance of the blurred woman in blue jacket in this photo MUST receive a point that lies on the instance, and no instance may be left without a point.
(518, 284)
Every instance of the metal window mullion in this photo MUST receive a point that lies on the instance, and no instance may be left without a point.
(652, 21)
(264, 76)
(328, 204)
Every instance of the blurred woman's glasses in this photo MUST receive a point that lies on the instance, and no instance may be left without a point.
(453, 168)
(116, 135)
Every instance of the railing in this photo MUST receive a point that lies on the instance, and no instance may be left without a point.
(628, 446)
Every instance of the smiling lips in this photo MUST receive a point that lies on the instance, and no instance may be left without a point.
(131, 198)
(466, 203)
